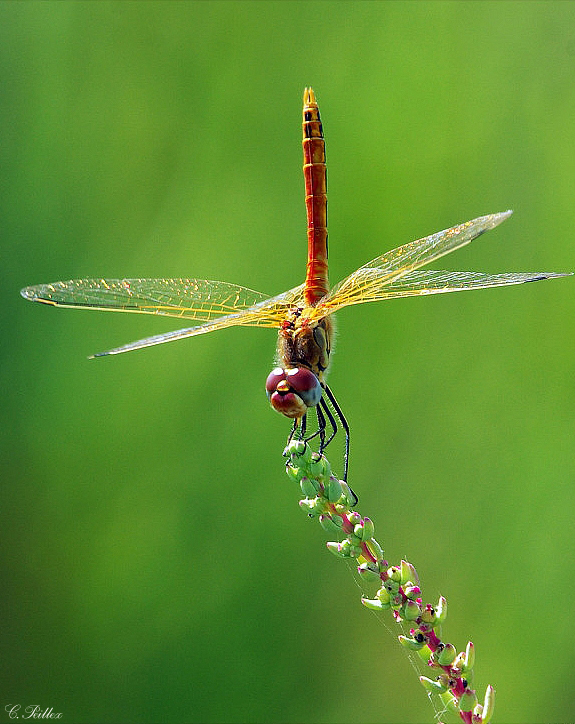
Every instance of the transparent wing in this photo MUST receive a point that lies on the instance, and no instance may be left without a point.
(216, 304)
(435, 282)
(198, 299)
(373, 280)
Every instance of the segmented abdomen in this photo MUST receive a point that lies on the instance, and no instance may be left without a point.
(315, 175)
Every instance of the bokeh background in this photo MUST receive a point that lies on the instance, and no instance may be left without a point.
(155, 564)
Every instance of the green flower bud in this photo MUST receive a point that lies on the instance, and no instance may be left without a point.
(450, 702)
(335, 548)
(412, 592)
(469, 656)
(488, 705)
(354, 517)
(383, 595)
(468, 700)
(345, 548)
(377, 552)
(411, 611)
(333, 491)
(391, 586)
(408, 573)
(368, 528)
(447, 655)
(307, 505)
(368, 571)
(319, 467)
(374, 604)
(435, 687)
(409, 643)
(313, 506)
(425, 654)
(394, 574)
(428, 615)
(349, 496)
(295, 474)
(337, 520)
(309, 487)
(327, 523)
(441, 610)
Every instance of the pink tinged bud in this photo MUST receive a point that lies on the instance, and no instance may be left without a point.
(354, 517)
(412, 611)
(377, 553)
(468, 700)
(447, 655)
(335, 548)
(349, 496)
(368, 528)
(412, 592)
(428, 614)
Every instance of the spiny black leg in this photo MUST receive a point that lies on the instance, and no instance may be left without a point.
(321, 428)
(343, 421)
(332, 422)
(292, 433)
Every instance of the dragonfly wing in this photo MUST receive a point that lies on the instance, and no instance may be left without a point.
(366, 284)
(422, 281)
(197, 299)
(268, 313)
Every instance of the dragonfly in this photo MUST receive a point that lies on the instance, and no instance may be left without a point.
(303, 315)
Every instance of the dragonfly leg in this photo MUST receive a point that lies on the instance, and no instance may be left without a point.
(332, 422)
(298, 423)
(320, 428)
(343, 422)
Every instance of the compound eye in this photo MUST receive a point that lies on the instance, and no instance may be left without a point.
(305, 384)
(293, 390)
(274, 378)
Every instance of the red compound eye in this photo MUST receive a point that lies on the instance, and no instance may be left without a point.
(306, 384)
(293, 390)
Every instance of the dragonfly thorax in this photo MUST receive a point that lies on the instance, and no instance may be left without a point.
(303, 358)
(305, 343)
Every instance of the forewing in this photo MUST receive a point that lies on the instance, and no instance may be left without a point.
(198, 299)
(423, 281)
(202, 300)
(371, 281)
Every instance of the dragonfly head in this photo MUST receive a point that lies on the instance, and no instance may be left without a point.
(291, 391)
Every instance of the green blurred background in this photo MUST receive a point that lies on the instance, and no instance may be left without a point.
(155, 564)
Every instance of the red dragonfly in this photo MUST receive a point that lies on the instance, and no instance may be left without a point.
(302, 314)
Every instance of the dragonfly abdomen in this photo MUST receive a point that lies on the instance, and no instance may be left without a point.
(315, 175)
